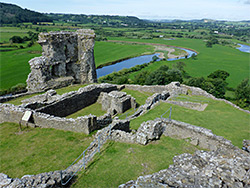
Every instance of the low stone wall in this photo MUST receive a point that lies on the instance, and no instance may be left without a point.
(195, 135)
(84, 124)
(191, 105)
(173, 87)
(11, 97)
(199, 91)
(150, 103)
(152, 130)
(43, 180)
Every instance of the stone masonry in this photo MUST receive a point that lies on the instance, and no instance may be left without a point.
(68, 57)
(116, 102)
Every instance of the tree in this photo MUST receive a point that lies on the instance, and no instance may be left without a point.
(219, 74)
(16, 39)
(173, 75)
(219, 89)
(180, 66)
(242, 93)
(209, 44)
(122, 80)
(157, 77)
(197, 82)
(141, 77)
(164, 68)
(155, 58)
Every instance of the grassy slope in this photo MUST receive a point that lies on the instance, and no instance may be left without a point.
(209, 59)
(121, 162)
(221, 118)
(34, 151)
(108, 52)
(14, 66)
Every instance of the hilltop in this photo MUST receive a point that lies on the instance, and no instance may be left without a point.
(10, 14)
(13, 14)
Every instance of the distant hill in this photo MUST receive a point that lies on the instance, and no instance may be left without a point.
(11, 14)
(97, 19)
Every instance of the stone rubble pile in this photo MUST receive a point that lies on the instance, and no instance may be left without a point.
(246, 145)
(220, 168)
(147, 132)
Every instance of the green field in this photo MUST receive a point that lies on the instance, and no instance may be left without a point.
(106, 52)
(14, 66)
(7, 32)
(226, 58)
(36, 150)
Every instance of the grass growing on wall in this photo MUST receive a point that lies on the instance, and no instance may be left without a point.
(36, 150)
(223, 119)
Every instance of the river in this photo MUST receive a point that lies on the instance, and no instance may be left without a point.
(244, 48)
(135, 61)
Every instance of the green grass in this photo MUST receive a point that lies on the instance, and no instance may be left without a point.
(121, 162)
(221, 118)
(179, 52)
(208, 60)
(7, 32)
(139, 96)
(36, 150)
(14, 66)
(94, 109)
(106, 52)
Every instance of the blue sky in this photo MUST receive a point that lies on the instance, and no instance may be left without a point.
(147, 9)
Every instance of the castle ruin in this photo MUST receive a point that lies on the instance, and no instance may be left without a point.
(67, 58)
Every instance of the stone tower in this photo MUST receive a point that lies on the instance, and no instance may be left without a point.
(68, 57)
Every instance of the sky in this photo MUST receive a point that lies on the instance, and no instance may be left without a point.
(234, 10)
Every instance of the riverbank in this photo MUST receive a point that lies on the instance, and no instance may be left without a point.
(158, 49)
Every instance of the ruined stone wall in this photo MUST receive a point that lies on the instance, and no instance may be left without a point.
(73, 101)
(68, 57)
(175, 88)
(116, 102)
(220, 168)
(196, 135)
(85, 124)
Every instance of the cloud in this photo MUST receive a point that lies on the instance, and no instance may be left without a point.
(247, 2)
